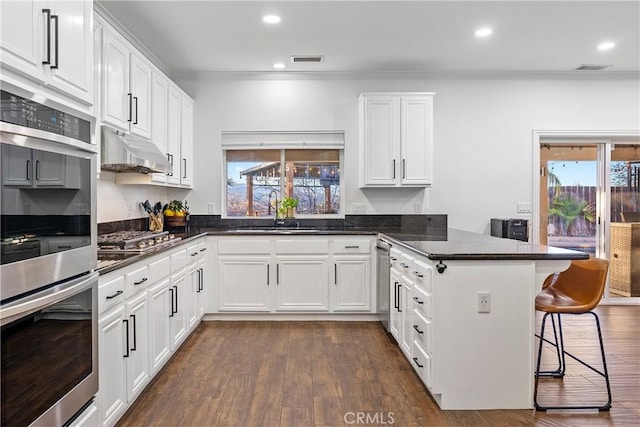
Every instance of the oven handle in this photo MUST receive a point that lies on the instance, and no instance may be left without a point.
(25, 306)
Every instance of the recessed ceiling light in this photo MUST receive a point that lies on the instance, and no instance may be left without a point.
(484, 32)
(606, 46)
(271, 19)
(278, 65)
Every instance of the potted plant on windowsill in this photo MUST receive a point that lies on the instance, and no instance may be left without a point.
(287, 207)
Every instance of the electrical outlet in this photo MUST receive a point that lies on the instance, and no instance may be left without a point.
(484, 302)
(211, 207)
(358, 208)
(524, 207)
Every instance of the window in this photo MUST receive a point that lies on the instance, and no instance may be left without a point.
(258, 180)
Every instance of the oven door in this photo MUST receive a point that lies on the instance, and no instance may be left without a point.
(49, 360)
(47, 211)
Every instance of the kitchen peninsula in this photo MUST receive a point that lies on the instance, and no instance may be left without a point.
(467, 359)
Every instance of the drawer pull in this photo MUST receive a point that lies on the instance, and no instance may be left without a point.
(418, 300)
(394, 259)
(352, 247)
(141, 281)
(404, 265)
(194, 254)
(417, 273)
(115, 295)
(415, 359)
(417, 329)
(203, 249)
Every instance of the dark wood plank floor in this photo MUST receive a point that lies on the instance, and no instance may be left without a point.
(299, 374)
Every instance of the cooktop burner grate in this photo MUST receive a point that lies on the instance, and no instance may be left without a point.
(134, 241)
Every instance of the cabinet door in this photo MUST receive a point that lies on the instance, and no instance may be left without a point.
(186, 143)
(406, 328)
(395, 313)
(72, 63)
(416, 140)
(302, 283)
(17, 168)
(141, 96)
(352, 283)
(159, 100)
(137, 312)
(115, 81)
(179, 313)
(191, 289)
(21, 37)
(111, 344)
(49, 169)
(173, 135)
(381, 141)
(244, 283)
(159, 327)
(200, 292)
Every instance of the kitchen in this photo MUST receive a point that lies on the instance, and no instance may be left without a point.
(478, 112)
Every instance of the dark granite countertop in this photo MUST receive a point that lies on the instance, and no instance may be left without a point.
(464, 245)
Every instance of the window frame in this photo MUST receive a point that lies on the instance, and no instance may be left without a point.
(341, 209)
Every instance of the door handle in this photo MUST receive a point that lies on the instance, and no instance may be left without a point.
(130, 95)
(135, 98)
(133, 317)
(176, 296)
(171, 292)
(184, 161)
(126, 322)
(55, 17)
(47, 13)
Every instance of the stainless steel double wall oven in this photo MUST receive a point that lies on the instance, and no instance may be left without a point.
(48, 284)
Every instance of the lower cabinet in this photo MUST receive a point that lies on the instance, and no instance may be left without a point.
(146, 310)
(159, 325)
(302, 283)
(294, 274)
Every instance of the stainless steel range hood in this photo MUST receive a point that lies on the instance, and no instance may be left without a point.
(123, 152)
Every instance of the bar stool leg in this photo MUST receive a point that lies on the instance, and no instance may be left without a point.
(558, 343)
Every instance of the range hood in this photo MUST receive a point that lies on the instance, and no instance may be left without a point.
(123, 152)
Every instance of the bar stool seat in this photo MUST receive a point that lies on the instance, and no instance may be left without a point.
(578, 290)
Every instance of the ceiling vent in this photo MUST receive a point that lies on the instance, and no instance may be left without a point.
(306, 58)
(591, 67)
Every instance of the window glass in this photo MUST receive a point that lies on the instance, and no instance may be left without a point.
(258, 180)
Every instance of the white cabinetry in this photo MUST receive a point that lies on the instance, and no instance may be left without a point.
(146, 310)
(159, 115)
(294, 274)
(351, 289)
(396, 139)
(126, 86)
(50, 43)
(401, 288)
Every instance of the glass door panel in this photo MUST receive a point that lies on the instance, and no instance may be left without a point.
(624, 238)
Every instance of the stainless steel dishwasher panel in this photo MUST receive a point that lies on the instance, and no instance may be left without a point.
(383, 281)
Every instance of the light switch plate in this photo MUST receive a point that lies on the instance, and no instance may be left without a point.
(524, 207)
(358, 208)
(211, 207)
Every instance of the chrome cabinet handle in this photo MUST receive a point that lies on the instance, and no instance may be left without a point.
(130, 95)
(394, 168)
(184, 161)
(47, 12)
(135, 98)
(404, 168)
(56, 42)
(133, 317)
(404, 265)
(172, 312)
(126, 322)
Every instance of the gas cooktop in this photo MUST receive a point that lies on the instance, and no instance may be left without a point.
(134, 241)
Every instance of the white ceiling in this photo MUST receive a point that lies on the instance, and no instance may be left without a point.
(190, 37)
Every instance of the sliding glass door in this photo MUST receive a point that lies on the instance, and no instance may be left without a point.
(590, 201)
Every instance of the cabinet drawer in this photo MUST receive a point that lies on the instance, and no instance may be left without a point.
(136, 281)
(421, 300)
(245, 247)
(421, 362)
(159, 269)
(406, 263)
(422, 274)
(297, 246)
(422, 330)
(352, 246)
(179, 260)
(110, 293)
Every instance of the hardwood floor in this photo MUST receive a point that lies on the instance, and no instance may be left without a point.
(301, 374)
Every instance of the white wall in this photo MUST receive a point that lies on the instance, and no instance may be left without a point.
(482, 132)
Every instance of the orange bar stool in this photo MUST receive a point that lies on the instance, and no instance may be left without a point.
(577, 290)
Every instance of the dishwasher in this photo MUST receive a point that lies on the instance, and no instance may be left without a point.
(383, 281)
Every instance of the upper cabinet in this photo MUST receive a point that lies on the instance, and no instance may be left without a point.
(126, 86)
(49, 44)
(396, 139)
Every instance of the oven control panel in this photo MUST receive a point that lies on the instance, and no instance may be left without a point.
(24, 112)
